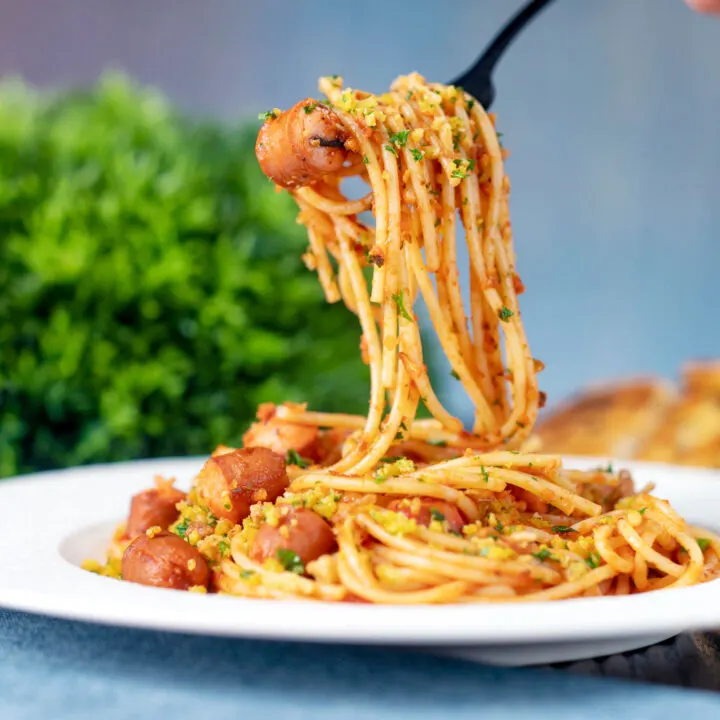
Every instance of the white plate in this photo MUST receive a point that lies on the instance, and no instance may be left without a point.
(52, 521)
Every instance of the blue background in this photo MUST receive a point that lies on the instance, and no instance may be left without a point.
(611, 110)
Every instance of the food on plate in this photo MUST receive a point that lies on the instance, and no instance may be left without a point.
(392, 508)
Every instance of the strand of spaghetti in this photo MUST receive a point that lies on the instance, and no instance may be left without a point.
(554, 494)
(362, 583)
(465, 480)
(601, 536)
(367, 149)
(397, 578)
(389, 487)
(559, 592)
(426, 392)
(651, 556)
(394, 293)
(445, 570)
(369, 329)
(484, 322)
(322, 262)
(447, 281)
(447, 340)
(334, 207)
(534, 569)
(585, 526)
(694, 569)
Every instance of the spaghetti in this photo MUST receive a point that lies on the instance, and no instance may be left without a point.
(389, 508)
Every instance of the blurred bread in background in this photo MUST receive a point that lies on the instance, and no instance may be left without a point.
(642, 419)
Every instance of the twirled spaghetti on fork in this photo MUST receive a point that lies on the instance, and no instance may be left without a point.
(389, 508)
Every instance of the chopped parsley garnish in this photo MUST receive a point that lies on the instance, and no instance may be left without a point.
(400, 138)
(484, 473)
(379, 478)
(267, 115)
(417, 154)
(391, 148)
(292, 458)
(541, 555)
(455, 374)
(400, 303)
(223, 547)
(409, 95)
(366, 159)
(309, 108)
(593, 560)
(499, 526)
(505, 313)
(470, 104)
(561, 529)
(437, 443)
(642, 510)
(704, 543)
(608, 469)
(471, 165)
(245, 574)
(436, 515)
(182, 527)
(290, 561)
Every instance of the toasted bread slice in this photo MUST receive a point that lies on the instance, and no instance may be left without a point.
(610, 420)
(701, 377)
(690, 434)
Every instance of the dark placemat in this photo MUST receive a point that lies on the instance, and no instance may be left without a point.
(689, 660)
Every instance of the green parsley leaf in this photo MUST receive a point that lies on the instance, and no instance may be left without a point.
(400, 303)
(267, 115)
(437, 443)
(593, 560)
(642, 510)
(366, 159)
(290, 561)
(409, 95)
(292, 458)
(400, 138)
(470, 104)
(499, 526)
(379, 479)
(436, 515)
(391, 148)
(224, 548)
(417, 154)
(505, 313)
(484, 473)
(181, 528)
(541, 555)
(704, 543)
(307, 109)
(245, 574)
(561, 529)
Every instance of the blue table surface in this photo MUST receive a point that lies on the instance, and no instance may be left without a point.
(60, 669)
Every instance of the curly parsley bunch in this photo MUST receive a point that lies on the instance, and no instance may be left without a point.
(151, 287)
